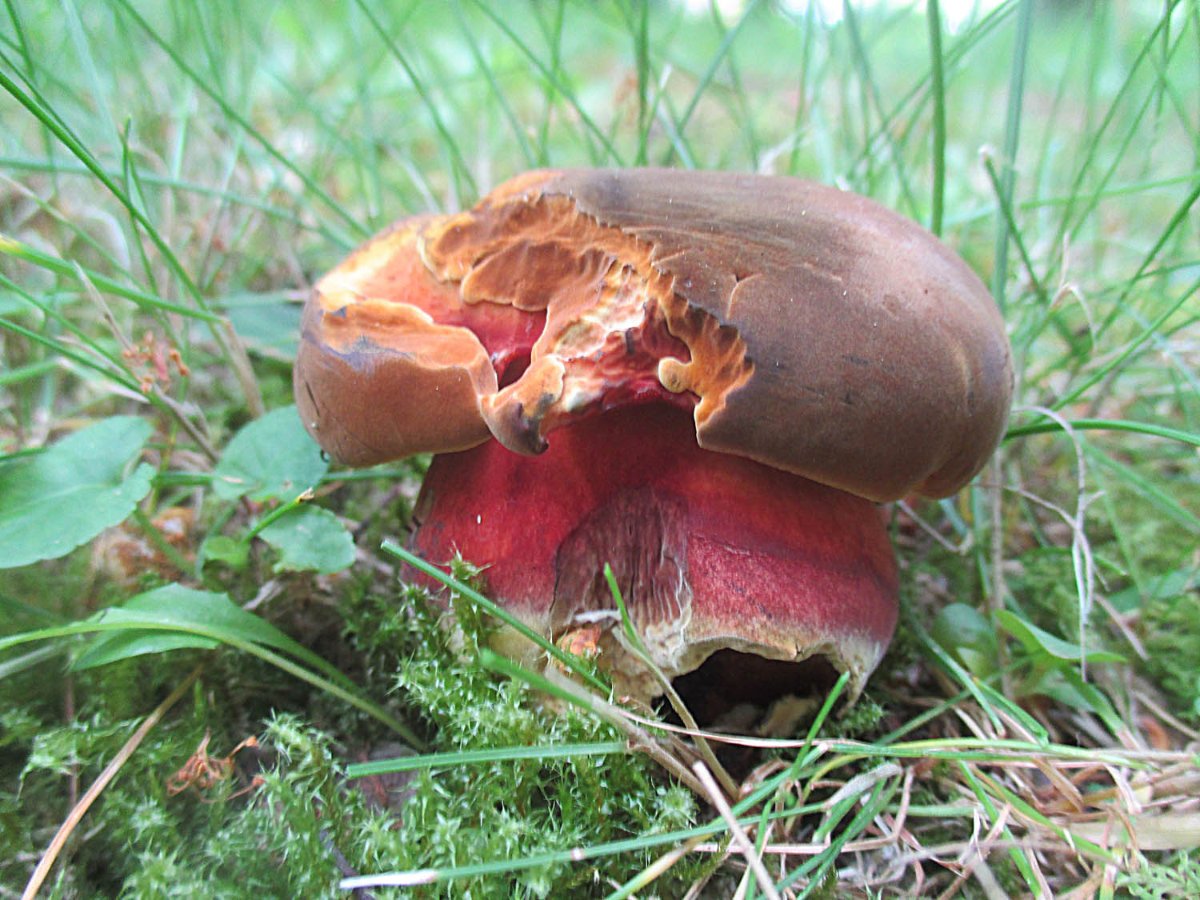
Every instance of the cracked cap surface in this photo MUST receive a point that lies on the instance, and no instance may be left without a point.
(806, 328)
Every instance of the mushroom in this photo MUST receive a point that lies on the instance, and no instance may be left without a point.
(707, 380)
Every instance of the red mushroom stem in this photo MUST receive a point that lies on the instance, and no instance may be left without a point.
(710, 551)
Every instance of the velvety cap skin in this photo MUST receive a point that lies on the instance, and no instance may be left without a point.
(881, 364)
(807, 328)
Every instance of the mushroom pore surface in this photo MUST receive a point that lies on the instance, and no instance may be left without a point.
(701, 378)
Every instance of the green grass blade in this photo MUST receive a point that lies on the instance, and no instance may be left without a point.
(933, 13)
(1012, 139)
(242, 122)
(480, 757)
(568, 660)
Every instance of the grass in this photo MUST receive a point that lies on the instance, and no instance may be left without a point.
(174, 176)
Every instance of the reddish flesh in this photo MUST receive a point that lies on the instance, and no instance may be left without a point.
(771, 558)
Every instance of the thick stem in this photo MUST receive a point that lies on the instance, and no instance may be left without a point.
(711, 552)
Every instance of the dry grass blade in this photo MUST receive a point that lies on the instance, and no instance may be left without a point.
(97, 787)
(740, 838)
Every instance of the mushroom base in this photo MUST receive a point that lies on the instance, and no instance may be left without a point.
(711, 552)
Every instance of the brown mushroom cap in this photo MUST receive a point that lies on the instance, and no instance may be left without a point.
(812, 329)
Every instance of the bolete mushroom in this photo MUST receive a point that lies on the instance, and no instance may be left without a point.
(707, 380)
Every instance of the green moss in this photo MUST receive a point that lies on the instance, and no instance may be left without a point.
(1172, 635)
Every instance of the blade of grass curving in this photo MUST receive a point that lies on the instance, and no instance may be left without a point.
(367, 137)
(553, 33)
(872, 101)
(1012, 140)
(178, 184)
(817, 868)
(1026, 809)
(1162, 88)
(655, 88)
(660, 867)
(27, 372)
(1074, 217)
(119, 372)
(20, 250)
(575, 694)
(737, 834)
(332, 685)
(916, 96)
(37, 106)
(937, 86)
(31, 69)
(1148, 332)
(514, 123)
(1151, 331)
(1146, 489)
(744, 114)
(449, 143)
(680, 145)
(98, 98)
(232, 115)
(479, 757)
(1117, 518)
(641, 53)
(1032, 332)
(59, 348)
(985, 692)
(132, 187)
(1176, 222)
(710, 71)
(638, 647)
(209, 266)
(843, 752)
(589, 124)
(44, 113)
(1146, 428)
(417, 877)
(802, 757)
(923, 718)
(989, 808)
(568, 660)
(29, 660)
(802, 88)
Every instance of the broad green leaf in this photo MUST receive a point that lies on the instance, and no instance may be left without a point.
(966, 633)
(118, 645)
(200, 615)
(224, 549)
(1037, 641)
(1066, 686)
(272, 457)
(55, 501)
(268, 323)
(310, 538)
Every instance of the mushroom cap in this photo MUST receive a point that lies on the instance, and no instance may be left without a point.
(809, 328)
